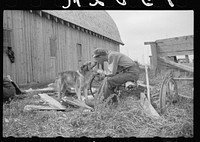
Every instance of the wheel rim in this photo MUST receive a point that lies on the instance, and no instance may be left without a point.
(94, 82)
(168, 93)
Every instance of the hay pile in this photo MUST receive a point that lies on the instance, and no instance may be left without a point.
(126, 120)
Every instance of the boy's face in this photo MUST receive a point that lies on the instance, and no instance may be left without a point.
(99, 59)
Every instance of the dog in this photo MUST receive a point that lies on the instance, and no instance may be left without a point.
(79, 80)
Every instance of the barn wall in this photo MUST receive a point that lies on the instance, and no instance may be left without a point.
(30, 42)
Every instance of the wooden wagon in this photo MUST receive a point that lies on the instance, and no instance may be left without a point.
(164, 54)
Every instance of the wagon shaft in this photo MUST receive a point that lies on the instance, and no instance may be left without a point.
(164, 52)
(177, 65)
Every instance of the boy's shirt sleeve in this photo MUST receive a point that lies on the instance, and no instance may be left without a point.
(112, 64)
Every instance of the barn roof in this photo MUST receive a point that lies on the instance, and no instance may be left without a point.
(97, 21)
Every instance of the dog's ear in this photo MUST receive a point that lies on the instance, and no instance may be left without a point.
(83, 67)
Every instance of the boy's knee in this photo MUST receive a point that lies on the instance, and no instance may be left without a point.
(110, 82)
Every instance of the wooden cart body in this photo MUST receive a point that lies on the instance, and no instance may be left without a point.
(164, 50)
(163, 56)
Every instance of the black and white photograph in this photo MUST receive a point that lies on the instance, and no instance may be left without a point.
(98, 73)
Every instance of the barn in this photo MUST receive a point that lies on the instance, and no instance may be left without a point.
(38, 44)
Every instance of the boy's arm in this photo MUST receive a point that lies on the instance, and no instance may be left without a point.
(112, 64)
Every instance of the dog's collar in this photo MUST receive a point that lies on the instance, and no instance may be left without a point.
(78, 71)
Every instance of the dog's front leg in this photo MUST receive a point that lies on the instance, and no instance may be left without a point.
(59, 92)
(59, 87)
(78, 93)
(85, 91)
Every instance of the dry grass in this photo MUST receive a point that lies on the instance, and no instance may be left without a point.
(127, 120)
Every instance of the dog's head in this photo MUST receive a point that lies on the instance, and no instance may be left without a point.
(87, 67)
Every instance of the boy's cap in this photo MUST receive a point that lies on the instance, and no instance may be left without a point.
(99, 52)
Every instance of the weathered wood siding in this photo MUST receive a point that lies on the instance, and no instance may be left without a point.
(30, 42)
(175, 46)
(170, 47)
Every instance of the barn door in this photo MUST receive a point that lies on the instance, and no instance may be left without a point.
(79, 54)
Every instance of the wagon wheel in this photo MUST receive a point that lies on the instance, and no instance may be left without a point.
(168, 93)
(95, 83)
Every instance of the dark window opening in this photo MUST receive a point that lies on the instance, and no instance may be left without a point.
(53, 47)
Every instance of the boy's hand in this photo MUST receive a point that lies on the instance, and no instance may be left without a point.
(101, 72)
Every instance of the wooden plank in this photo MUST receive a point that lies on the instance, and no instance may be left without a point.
(67, 50)
(154, 57)
(147, 81)
(89, 38)
(19, 47)
(30, 29)
(40, 90)
(148, 108)
(40, 107)
(28, 47)
(180, 66)
(26, 39)
(175, 40)
(91, 49)
(64, 48)
(77, 103)
(58, 41)
(40, 49)
(37, 49)
(47, 50)
(16, 45)
(175, 47)
(23, 47)
(184, 79)
(23, 50)
(175, 53)
(34, 48)
(74, 50)
(55, 46)
(45, 46)
(8, 67)
(51, 101)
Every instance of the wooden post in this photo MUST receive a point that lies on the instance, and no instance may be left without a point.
(151, 66)
(154, 55)
(147, 81)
